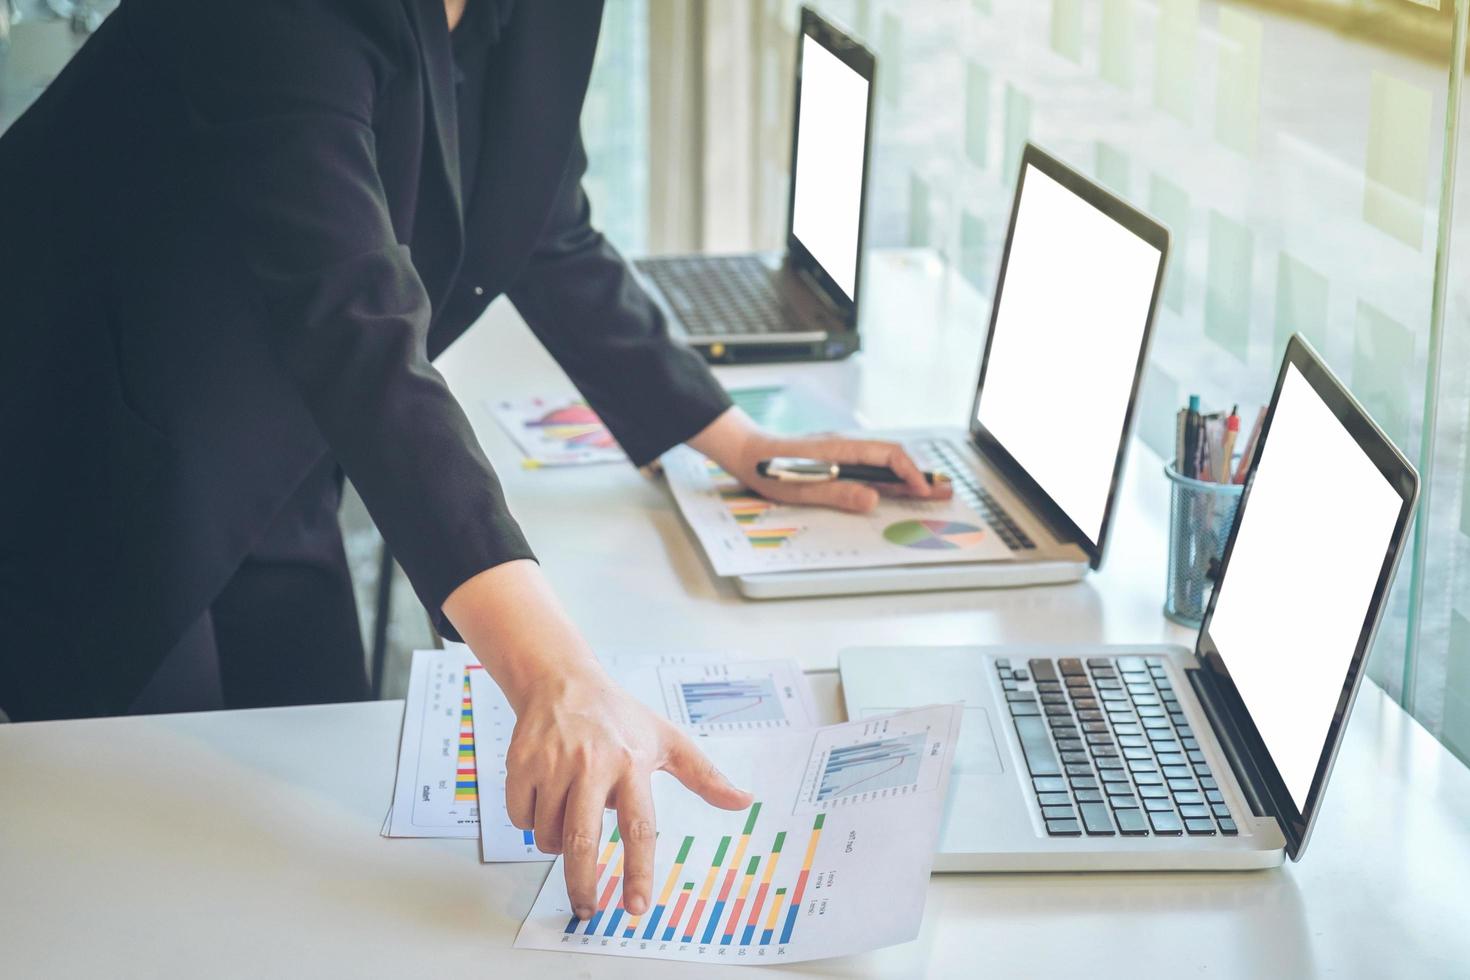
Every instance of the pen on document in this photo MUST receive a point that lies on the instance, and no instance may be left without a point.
(791, 470)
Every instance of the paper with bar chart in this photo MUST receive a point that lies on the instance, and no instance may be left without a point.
(728, 697)
(744, 534)
(435, 794)
(557, 431)
(805, 873)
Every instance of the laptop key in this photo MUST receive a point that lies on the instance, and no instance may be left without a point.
(1214, 795)
(1176, 772)
(1148, 779)
(1166, 824)
(1074, 757)
(1158, 806)
(1020, 709)
(1069, 744)
(1070, 665)
(1064, 828)
(1114, 776)
(1042, 670)
(1036, 747)
(1054, 799)
(1095, 819)
(1200, 827)
(1050, 784)
(1123, 801)
(1221, 810)
(1208, 782)
(1190, 797)
(1020, 696)
(1153, 792)
(1131, 823)
(1227, 827)
(1181, 784)
(1078, 769)
(1083, 782)
(1057, 812)
(1091, 796)
(1188, 810)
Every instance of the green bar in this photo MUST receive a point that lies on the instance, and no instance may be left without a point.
(614, 838)
(818, 825)
(684, 850)
(750, 868)
(780, 891)
(720, 854)
(755, 811)
(781, 837)
(689, 886)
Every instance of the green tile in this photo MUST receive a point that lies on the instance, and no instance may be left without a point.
(1066, 29)
(1174, 63)
(1301, 304)
(977, 113)
(1158, 403)
(1018, 130)
(890, 69)
(1112, 168)
(1383, 365)
(1397, 169)
(1170, 204)
(972, 253)
(1455, 730)
(1238, 89)
(1228, 285)
(1116, 57)
(918, 211)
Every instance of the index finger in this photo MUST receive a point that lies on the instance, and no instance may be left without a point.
(581, 835)
(636, 827)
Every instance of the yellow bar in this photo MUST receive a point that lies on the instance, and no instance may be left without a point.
(775, 909)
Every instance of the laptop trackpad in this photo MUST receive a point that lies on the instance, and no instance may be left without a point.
(976, 754)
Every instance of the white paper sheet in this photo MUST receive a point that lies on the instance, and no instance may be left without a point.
(557, 430)
(744, 534)
(833, 859)
(435, 794)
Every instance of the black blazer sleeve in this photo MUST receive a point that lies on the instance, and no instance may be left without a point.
(584, 303)
(283, 97)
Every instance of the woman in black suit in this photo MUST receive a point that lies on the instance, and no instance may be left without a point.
(233, 237)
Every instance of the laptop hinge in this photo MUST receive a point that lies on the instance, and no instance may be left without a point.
(1246, 774)
(1038, 512)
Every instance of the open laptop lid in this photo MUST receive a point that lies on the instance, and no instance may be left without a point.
(1302, 585)
(831, 139)
(1069, 335)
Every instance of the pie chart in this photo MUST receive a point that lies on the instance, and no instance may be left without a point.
(934, 535)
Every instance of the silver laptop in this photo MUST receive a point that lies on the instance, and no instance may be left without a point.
(1043, 450)
(801, 304)
(1115, 758)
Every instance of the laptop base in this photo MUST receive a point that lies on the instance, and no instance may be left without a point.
(909, 578)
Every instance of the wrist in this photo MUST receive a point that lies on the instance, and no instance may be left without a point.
(733, 441)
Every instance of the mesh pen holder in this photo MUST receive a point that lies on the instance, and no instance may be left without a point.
(1200, 518)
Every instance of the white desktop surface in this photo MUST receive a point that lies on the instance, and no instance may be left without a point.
(246, 843)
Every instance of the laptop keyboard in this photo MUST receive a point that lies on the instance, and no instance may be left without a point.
(721, 294)
(945, 457)
(1109, 749)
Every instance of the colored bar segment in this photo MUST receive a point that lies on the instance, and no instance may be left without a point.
(760, 895)
(528, 837)
(663, 898)
(740, 900)
(709, 884)
(612, 842)
(465, 789)
(771, 919)
(806, 870)
(684, 894)
(606, 900)
(714, 919)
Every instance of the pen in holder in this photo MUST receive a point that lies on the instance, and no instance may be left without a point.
(1200, 517)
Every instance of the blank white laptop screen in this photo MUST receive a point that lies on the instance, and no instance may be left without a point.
(1311, 544)
(830, 136)
(1073, 311)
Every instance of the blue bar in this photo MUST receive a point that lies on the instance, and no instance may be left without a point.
(596, 918)
(766, 938)
(714, 920)
(612, 924)
(790, 924)
(528, 837)
(749, 932)
(658, 913)
(628, 933)
(572, 925)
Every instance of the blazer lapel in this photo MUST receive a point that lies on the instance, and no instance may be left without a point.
(438, 236)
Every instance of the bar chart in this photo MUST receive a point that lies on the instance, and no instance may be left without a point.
(802, 873)
(736, 697)
(720, 907)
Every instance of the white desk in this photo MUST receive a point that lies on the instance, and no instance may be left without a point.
(246, 843)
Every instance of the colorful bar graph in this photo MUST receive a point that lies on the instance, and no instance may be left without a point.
(769, 537)
(714, 918)
(709, 884)
(663, 898)
(806, 869)
(752, 699)
(465, 789)
(612, 842)
(770, 928)
(740, 900)
(684, 894)
(760, 895)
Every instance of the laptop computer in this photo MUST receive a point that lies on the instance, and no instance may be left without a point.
(1043, 450)
(801, 304)
(1115, 758)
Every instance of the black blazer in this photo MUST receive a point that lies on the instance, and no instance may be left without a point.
(231, 241)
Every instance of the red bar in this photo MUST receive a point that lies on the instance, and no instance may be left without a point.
(607, 893)
(684, 894)
(800, 888)
(760, 899)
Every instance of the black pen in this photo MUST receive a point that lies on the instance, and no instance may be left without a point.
(791, 470)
